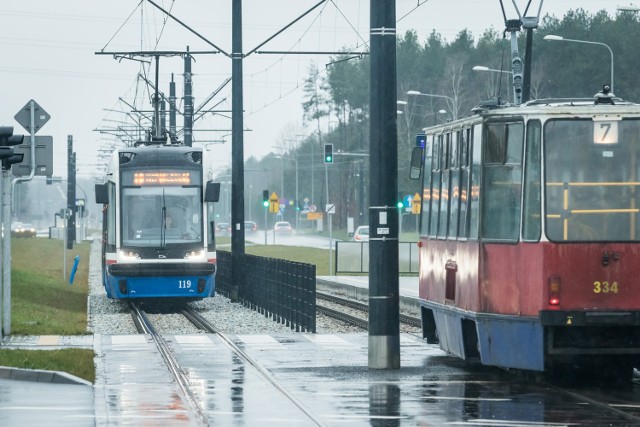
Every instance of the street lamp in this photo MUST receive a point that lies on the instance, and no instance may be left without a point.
(453, 104)
(483, 68)
(552, 37)
(399, 103)
(491, 70)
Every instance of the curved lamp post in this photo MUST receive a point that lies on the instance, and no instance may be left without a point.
(552, 37)
(453, 104)
(491, 70)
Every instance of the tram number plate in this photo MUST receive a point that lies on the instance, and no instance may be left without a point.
(184, 284)
(605, 287)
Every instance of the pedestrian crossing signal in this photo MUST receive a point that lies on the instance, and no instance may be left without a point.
(328, 153)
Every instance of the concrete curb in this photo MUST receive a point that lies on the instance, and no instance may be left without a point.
(42, 376)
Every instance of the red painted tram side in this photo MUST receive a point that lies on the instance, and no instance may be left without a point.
(529, 235)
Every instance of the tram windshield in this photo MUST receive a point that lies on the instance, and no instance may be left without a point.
(159, 216)
(591, 179)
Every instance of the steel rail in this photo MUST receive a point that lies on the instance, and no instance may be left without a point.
(343, 317)
(202, 323)
(404, 318)
(143, 324)
(591, 401)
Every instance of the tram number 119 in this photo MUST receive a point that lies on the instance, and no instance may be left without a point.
(184, 284)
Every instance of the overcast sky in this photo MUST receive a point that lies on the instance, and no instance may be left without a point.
(48, 54)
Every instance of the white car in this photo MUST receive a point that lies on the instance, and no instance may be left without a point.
(282, 227)
(361, 234)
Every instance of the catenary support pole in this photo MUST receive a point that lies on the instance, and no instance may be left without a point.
(384, 303)
(188, 101)
(6, 252)
(237, 153)
(3, 236)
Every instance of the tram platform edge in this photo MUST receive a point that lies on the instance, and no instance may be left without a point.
(358, 287)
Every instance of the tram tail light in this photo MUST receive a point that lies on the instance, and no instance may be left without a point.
(122, 286)
(554, 291)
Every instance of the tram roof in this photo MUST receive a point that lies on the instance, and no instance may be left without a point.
(544, 107)
(158, 155)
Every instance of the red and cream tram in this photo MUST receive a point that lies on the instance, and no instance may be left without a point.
(530, 235)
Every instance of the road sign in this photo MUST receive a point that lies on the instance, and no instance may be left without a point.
(330, 208)
(274, 203)
(314, 215)
(416, 203)
(44, 157)
(313, 208)
(24, 116)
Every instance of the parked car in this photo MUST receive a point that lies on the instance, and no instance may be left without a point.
(282, 227)
(223, 229)
(250, 227)
(23, 230)
(361, 234)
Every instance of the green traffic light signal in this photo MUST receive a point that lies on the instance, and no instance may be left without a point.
(265, 203)
(328, 153)
(400, 204)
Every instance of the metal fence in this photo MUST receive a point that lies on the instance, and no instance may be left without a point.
(353, 257)
(280, 289)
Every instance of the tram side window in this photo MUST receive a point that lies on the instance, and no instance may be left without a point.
(475, 190)
(531, 227)
(454, 187)
(111, 215)
(444, 187)
(465, 140)
(502, 181)
(436, 174)
(426, 187)
(210, 226)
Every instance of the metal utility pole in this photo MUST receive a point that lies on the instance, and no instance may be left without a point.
(237, 153)
(188, 101)
(384, 303)
(5, 202)
(71, 193)
(172, 111)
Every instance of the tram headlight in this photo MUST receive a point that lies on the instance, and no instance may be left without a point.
(126, 255)
(195, 256)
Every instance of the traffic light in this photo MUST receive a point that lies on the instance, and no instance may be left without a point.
(265, 198)
(400, 201)
(7, 141)
(328, 153)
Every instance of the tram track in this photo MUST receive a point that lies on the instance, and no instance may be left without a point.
(145, 326)
(625, 407)
(358, 321)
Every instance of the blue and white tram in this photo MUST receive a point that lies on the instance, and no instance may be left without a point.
(158, 232)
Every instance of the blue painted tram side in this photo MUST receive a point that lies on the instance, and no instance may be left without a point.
(158, 233)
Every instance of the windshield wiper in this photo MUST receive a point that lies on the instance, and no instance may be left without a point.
(163, 226)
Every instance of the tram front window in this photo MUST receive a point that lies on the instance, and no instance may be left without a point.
(159, 216)
(591, 180)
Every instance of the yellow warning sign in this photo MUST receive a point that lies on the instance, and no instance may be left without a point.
(274, 203)
(416, 203)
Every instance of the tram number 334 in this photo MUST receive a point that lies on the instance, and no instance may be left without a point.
(605, 287)
(184, 284)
